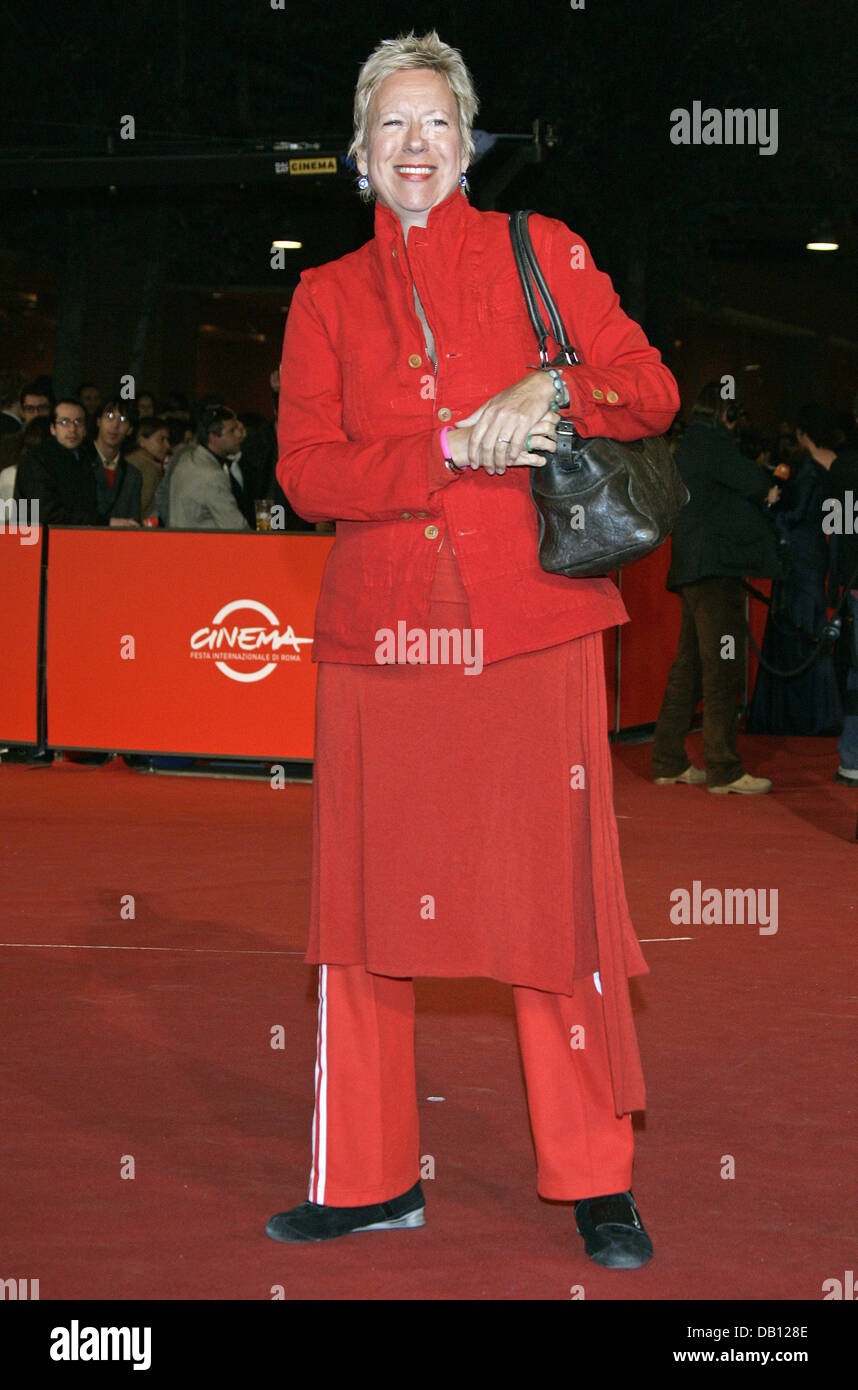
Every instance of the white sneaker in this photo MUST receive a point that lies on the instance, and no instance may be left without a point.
(746, 785)
(692, 776)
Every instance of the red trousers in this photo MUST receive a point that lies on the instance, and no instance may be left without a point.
(366, 1142)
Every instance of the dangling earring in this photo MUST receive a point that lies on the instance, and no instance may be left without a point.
(363, 182)
(463, 180)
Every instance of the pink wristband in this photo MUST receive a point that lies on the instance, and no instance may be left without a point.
(445, 450)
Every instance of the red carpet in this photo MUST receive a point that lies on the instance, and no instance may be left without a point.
(150, 1037)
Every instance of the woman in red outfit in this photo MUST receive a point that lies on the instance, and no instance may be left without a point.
(463, 815)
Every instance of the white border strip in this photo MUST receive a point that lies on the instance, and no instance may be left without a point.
(318, 1174)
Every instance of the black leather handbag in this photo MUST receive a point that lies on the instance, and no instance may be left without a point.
(602, 503)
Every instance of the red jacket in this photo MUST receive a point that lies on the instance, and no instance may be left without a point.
(361, 412)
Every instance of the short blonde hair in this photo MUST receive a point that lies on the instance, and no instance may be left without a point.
(405, 54)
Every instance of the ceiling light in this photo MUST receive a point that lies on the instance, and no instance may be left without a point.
(821, 236)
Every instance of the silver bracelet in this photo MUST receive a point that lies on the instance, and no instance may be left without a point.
(560, 399)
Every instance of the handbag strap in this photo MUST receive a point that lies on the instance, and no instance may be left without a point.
(533, 280)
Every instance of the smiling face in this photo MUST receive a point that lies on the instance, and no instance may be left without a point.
(414, 156)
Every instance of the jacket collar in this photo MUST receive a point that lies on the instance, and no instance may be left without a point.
(52, 448)
(445, 228)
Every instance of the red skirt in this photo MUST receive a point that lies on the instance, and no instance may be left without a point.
(463, 824)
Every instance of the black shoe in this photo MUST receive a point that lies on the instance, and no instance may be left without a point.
(311, 1221)
(612, 1231)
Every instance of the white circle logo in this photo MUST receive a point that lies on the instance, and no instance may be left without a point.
(234, 648)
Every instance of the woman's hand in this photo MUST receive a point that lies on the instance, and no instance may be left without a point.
(543, 435)
(495, 436)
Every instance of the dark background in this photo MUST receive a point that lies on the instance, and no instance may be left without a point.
(152, 256)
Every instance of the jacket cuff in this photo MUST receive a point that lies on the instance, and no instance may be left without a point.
(588, 395)
(439, 475)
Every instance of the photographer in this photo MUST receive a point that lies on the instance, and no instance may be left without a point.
(841, 523)
(721, 535)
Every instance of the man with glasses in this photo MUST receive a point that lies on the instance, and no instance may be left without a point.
(34, 401)
(58, 475)
(118, 483)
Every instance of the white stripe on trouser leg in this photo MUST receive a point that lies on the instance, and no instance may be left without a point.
(318, 1173)
(597, 980)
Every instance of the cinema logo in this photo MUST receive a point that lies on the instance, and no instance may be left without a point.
(709, 907)
(249, 651)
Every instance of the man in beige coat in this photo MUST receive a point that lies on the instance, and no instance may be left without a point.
(201, 496)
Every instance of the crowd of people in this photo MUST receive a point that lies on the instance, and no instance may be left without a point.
(784, 511)
(94, 461)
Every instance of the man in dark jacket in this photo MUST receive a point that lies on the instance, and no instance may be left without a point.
(840, 522)
(57, 476)
(118, 483)
(721, 535)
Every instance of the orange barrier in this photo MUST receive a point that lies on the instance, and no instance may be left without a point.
(182, 642)
(648, 642)
(21, 572)
(199, 642)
